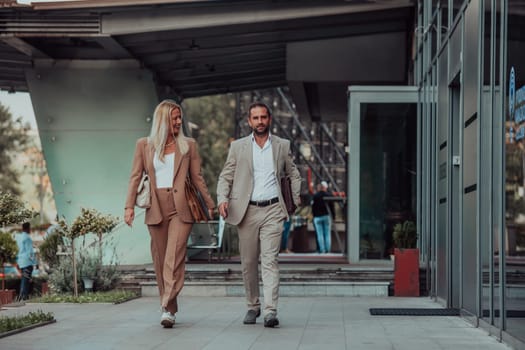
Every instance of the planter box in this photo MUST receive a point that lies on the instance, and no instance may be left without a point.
(406, 272)
(7, 296)
(44, 288)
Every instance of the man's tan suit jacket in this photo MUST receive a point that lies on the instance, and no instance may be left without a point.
(235, 184)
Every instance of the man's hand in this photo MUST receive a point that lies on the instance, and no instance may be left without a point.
(223, 209)
(129, 216)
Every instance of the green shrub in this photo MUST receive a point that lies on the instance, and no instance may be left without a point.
(61, 278)
(108, 278)
(8, 248)
(405, 235)
(49, 248)
(15, 322)
(105, 277)
(114, 296)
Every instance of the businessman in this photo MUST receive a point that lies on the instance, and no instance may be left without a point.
(249, 196)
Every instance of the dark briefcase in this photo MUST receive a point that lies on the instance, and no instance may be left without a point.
(286, 189)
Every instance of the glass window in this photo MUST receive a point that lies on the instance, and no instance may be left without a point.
(388, 174)
(444, 21)
(515, 171)
(456, 7)
(434, 37)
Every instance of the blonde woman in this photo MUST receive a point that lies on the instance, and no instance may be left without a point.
(167, 156)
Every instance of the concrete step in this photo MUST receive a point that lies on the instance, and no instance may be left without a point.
(295, 280)
(287, 288)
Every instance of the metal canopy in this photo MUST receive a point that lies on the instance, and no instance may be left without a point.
(193, 48)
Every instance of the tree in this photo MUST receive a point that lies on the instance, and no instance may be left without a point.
(13, 138)
(12, 211)
(8, 252)
(211, 121)
(36, 166)
(89, 221)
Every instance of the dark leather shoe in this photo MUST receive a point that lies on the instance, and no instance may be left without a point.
(251, 315)
(271, 320)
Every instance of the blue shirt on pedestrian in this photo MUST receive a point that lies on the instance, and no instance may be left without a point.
(26, 252)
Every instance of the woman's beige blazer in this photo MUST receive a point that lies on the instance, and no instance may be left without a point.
(190, 163)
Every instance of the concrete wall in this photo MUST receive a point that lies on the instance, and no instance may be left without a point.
(89, 116)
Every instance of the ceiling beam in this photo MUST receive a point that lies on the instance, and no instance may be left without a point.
(23, 47)
(316, 23)
(189, 52)
(233, 88)
(171, 56)
(191, 73)
(249, 71)
(113, 47)
(230, 84)
(250, 56)
(215, 14)
(8, 59)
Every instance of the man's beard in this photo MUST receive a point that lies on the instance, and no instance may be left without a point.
(261, 133)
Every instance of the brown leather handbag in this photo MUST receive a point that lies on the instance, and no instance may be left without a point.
(198, 208)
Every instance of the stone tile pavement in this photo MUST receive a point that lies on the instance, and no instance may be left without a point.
(216, 323)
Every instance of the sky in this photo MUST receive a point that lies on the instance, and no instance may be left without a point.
(19, 105)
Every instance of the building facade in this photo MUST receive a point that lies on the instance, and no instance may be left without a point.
(436, 112)
(470, 77)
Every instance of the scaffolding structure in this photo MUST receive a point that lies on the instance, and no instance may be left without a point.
(319, 148)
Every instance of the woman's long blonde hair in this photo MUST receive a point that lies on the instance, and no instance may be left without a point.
(161, 127)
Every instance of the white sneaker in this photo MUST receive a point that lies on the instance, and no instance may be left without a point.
(167, 320)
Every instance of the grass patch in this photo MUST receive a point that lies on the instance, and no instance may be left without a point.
(113, 296)
(9, 323)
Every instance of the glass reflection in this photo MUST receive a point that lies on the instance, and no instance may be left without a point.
(515, 172)
(388, 174)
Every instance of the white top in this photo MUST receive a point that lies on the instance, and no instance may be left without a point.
(264, 181)
(164, 170)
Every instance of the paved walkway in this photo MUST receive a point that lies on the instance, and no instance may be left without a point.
(216, 323)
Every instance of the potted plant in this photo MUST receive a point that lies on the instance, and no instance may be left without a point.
(89, 221)
(89, 269)
(405, 235)
(406, 259)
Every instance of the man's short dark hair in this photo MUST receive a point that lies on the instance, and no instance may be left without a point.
(26, 226)
(259, 104)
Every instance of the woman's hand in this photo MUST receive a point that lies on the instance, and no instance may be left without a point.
(129, 216)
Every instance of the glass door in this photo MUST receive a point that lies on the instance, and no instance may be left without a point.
(382, 167)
